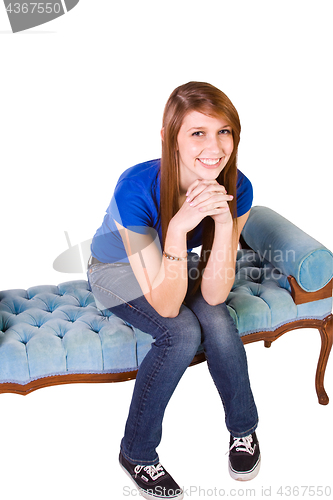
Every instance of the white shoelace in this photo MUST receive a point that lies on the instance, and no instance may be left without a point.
(243, 444)
(154, 471)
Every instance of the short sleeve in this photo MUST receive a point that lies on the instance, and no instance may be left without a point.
(131, 206)
(244, 194)
(135, 206)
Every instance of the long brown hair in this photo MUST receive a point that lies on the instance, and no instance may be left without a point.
(209, 100)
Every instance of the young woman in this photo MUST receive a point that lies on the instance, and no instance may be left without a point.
(142, 268)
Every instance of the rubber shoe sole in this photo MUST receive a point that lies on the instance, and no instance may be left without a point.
(245, 475)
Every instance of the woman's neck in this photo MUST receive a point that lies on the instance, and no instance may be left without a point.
(181, 199)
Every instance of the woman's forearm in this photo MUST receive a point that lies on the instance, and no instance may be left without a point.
(170, 285)
(219, 274)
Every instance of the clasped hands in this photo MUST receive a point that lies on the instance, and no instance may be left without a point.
(204, 198)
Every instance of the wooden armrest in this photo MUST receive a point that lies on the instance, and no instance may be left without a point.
(300, 296)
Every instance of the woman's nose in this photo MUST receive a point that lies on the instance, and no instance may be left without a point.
(213, 145)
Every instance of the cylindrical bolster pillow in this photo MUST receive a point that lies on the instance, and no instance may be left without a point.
(288, 248)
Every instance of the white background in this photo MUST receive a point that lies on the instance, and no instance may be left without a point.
(81, 100)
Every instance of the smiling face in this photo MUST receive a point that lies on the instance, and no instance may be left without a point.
(205, 144)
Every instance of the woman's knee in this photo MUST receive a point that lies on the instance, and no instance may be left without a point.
(216, 323)
(184, 331)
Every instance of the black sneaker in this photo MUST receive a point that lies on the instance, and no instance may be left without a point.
(244, 457)
(153, 481)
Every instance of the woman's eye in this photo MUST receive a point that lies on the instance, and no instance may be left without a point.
(200, 133)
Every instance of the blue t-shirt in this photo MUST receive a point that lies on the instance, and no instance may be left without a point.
(135, 205)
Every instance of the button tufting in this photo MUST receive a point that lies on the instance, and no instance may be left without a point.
(252, 297)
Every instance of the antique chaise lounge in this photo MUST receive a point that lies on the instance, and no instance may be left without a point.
(56, 335)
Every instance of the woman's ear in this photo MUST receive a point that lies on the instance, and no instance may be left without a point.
(162, 134)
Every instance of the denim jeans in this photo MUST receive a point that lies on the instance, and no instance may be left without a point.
(176, 341)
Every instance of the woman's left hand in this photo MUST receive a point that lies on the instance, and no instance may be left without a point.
(210, 196)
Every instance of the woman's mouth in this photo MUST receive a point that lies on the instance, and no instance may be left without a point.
(210, 162)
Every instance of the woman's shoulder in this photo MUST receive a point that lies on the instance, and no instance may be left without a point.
(244, 193)
(243, 182)
(138, 189)
(142, 173)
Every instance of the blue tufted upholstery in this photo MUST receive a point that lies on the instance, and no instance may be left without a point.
(58, 330)
(260, 299)
(52, 330)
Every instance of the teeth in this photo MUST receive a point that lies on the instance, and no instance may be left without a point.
(209, 161)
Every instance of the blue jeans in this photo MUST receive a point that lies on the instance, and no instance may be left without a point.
(176, 341)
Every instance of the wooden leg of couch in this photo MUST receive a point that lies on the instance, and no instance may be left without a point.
(326, 333)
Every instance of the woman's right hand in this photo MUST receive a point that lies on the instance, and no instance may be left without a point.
(205, 197)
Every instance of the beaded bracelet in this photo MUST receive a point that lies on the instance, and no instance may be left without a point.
(171, 257)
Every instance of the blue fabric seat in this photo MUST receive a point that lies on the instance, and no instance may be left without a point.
(48, 333)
